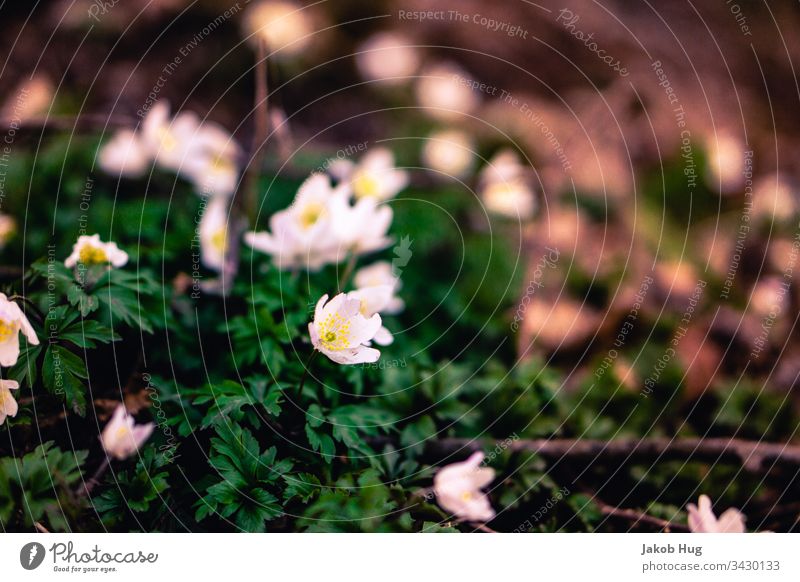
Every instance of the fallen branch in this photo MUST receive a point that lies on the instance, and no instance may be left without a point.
(85, 121)
(752, 455)
(638, 517)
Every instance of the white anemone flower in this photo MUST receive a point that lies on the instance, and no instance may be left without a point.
(90, 250)
(449, 152)
(378, 274)
(703, 520)
(375, 176)
(302, 235)
(12, 322)
(283, 26)
(8, 405)
(505, 188)
(212, 174)
(121, 437)
(374, 300)
(214, 233)
(202, 152)
(124, 155)
(443, 93)
(360, 228)
(168, 140)
(458, 489)
(388, 58)
(341, 332)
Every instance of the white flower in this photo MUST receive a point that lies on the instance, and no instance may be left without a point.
(374, 300)
(214, 233)
(12, 322)
(703, 520)
(387, 57)
(168, 140)
(378, 274)
(443, 93)
(727, 163)
(340, 331)
(8, 226)
(121, 437)
(302, 235)
(374, 177)
(360, 228)
(124, 154)
(458, 489)
(505, 189)
(202, 152)
(773, 199)
(449, 152)
(212, 174)
(90, 250)
(283, 26)
(8, 405)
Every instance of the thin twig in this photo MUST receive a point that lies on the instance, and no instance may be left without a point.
(483, 527)
(306, 368)
(39, 527)
(347, 273)
(638, 517)
(260, 135)
(95, 480)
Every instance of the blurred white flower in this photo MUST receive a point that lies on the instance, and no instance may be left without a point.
(340, 330)
(379, 274)
(30, 99)
(450, 152)
(773, 199)
(360, 228)
(168, 140)
(204, 153)
(769, 296)
(283, 26)
(726, 163)
(375, 176)
(703, 520)
(442, 92)
(8, 226)
(12, 322)
(377, 299)
(303, 235)
(90, 250)
(121, 437)
(213, 174)
(8, 405)
(458, 489)
(387, 57)
(124, 154)
(214, 233)
(505, 188)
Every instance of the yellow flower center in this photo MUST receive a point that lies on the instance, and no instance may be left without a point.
(310, 214)
(366, 185)
(466, 496)
(219, 239)
(334, 332)
(4, 395)
(90, 255)
(123, 432)
(7, 329)
(222, 165)
(168, 141)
